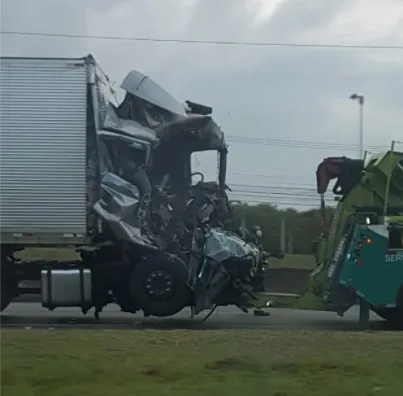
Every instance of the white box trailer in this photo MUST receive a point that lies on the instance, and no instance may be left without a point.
(47, 107)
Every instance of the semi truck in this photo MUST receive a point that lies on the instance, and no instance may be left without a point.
(114, 182)
(359, 254)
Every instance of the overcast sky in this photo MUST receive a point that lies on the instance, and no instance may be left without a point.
(287, 93)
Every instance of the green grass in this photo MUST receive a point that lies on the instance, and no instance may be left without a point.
(31, 254)
(236, 363)
(299, 261)
(311, 302)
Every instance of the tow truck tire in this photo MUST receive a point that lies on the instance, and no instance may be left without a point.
(158, 286)
(393, 316)
(399, 306)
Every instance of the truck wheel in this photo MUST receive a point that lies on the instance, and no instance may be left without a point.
(158, 286)
(7, 294)
(399, 306)
(8, 279)
(393, 316)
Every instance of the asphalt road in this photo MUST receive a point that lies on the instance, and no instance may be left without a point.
(33, 316)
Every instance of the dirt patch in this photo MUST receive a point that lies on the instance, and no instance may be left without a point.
(286, 280)
(152, 372)
(232, 364)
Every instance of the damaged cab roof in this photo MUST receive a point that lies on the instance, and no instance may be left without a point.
(201, 130)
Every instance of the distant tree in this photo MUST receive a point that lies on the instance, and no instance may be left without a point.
(300, 227)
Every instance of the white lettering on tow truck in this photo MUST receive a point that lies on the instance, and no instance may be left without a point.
(394, 258)
(339, 251)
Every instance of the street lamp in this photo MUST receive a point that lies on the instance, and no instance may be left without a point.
(360, 99)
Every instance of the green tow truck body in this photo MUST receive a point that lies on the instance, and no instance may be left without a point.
(370, 195)
(370, 270)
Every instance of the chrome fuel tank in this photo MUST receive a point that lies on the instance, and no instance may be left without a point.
(66, 288)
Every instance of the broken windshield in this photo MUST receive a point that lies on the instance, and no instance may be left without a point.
(205, 166)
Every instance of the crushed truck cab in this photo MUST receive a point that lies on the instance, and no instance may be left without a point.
(114, 182)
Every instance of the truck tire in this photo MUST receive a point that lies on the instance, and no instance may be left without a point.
(8, 280)
(158, 286)
(7, 294)
(399, 306)
(393, 316)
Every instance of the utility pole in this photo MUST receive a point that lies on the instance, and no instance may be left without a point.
(283, 234)
(360, 99)
(290, 247)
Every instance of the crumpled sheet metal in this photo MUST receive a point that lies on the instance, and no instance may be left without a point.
(118, 207)
(207, 275)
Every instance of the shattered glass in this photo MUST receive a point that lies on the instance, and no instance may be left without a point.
(221, 245)
(208, 276)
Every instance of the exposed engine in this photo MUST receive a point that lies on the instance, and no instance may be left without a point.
(195, 262)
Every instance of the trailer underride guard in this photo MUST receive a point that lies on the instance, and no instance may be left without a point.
(154, 242)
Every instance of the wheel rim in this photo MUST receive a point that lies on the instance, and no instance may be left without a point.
(160, 285)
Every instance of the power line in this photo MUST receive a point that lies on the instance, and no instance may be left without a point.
(274, 189)
(234, 138)
(304, 201)
(290, 186)
(276, 196)
(281, 180)
(273, 193)
(300, 144)
(290, 196)
(204, 42)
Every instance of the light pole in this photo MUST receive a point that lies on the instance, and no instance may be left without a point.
(360, 99)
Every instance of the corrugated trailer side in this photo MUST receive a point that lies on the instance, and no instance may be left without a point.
(43, 126)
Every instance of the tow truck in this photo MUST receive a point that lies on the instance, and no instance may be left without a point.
(359, 253)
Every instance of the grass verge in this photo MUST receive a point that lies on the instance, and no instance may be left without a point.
(296, 261)
(32, 254)
(84, 363)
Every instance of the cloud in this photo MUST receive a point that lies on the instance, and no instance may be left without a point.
(268, 92)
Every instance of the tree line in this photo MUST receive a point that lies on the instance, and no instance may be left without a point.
(287, 230)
